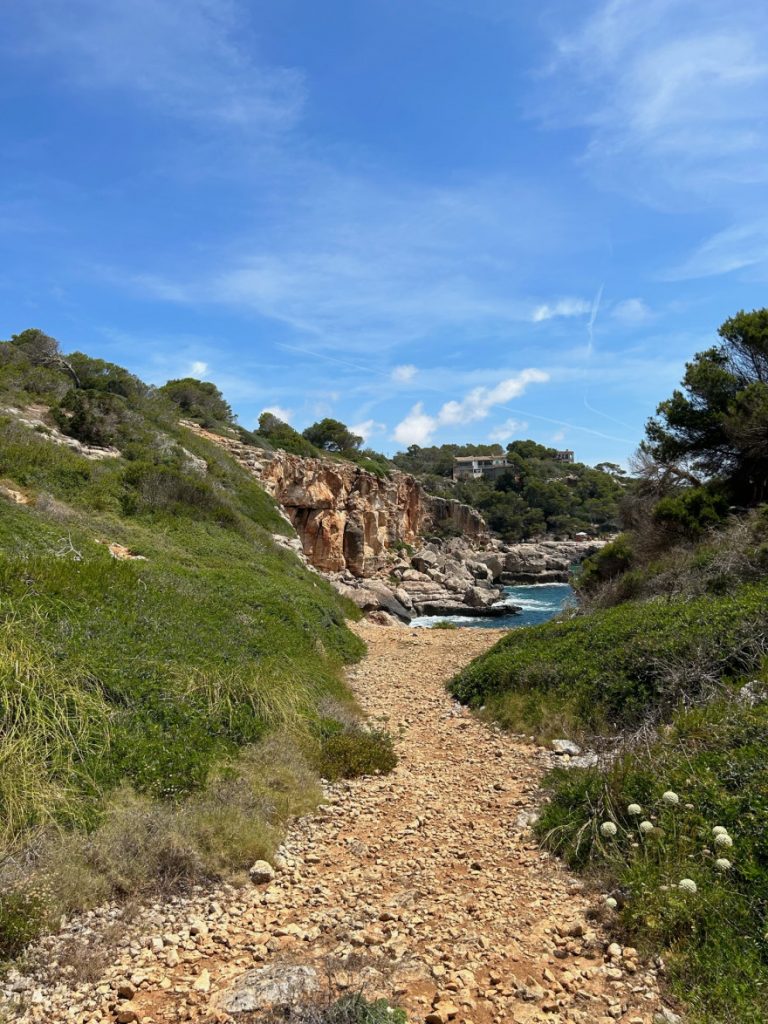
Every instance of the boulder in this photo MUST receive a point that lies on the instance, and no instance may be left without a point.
(475, 597)
(374, 596)
(280, 985)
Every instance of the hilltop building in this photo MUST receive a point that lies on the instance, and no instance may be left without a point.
(564, 456)
(472, 467)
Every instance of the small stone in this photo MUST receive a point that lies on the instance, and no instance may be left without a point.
(125, 990)
(261, 872)
(203, 981)
(126, 1014)
(565, 747)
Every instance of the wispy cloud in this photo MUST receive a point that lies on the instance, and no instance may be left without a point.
(735, 248)
(405, 373)
(357, 266)
(189, 58)
(286, 415)
(673, 92)
(507, 430)
(563, 307)
(368, 429)
(417, 427)
(198, 367)
(631, 312)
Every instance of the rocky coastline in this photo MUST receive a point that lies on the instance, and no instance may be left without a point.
(393, 549)
(455, 577)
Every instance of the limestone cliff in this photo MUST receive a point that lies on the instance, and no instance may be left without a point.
(346, 517)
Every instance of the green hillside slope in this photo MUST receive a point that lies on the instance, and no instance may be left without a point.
(173, 706)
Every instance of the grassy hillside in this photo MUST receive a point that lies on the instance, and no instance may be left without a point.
(173, 707)
(621, 667)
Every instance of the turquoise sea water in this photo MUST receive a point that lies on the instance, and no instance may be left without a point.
(539, 601)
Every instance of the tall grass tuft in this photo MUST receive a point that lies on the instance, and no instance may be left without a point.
(52, 727)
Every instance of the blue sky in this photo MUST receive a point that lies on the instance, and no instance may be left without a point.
(437, 220)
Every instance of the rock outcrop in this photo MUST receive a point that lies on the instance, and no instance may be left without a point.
(546, 561)
(347, 518)
(366, 533)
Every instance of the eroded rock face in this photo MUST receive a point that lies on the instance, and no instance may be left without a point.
(546, 561)
(347, 518)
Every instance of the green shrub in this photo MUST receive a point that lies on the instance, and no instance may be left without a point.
(612, 560)
(714, 941)
(96, 417)
(618, 667)
(328, 1008)
(349, 753)
(157, 488)
(356, 1009)
(23, 915)
(199, 400)
(444, 624)
(692, 512)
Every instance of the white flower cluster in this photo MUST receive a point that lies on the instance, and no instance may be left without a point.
(608, 828)
(671, 798)
(721, 837)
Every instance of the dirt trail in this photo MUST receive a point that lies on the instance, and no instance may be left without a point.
(427, 877)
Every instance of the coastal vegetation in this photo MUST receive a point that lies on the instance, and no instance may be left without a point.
(537, 495)
(664, 667)
(171, 677)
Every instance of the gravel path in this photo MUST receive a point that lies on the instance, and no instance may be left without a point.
(426, 883)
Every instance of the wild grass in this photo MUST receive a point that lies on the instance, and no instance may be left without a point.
(158, 718)
(618, 668)
(52, 727)
(714, 940)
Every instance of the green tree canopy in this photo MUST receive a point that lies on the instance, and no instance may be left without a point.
(332, 436)
(200, 400)
(43, 350)
(717, 423)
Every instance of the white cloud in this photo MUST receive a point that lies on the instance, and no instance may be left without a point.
(735, 248)
(672, 93)
(402, 374)
(563, 307)
(282, 413)
(198, 368)
(631, 311)
(506, 431)
(190, 58)
(559, 435)
(479, 402)
(367, 429)
(357, 266)
(418, 426)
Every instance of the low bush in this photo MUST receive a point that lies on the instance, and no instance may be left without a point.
(645, 827)
(142, 846)
(97, 418)
(346, 753)
(618, 667)
(23, 914)
(444, 624)
(610, 561)
(349, 1009)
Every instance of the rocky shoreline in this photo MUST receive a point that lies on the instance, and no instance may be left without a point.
(454, 577)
